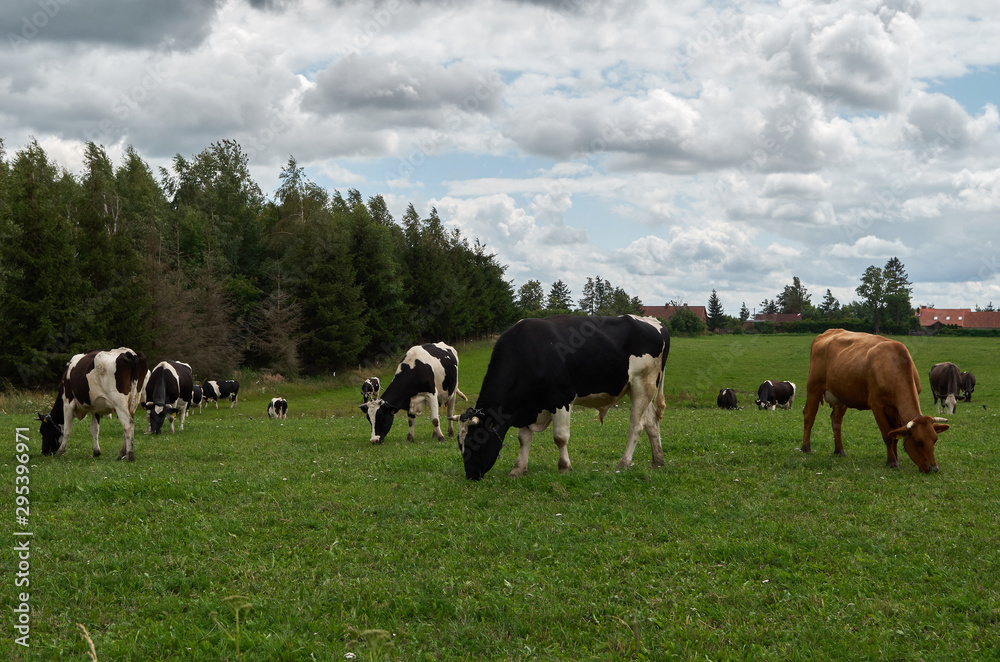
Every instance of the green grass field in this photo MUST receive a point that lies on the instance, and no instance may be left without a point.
(741, 547)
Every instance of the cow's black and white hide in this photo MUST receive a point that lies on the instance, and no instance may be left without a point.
(727, 399)
(427, 375)
(96, 383)
(772, 394)
(277, 408)
(168, 392)
(197, 398)
(540, 368)
(370, 389)
(215, 390)
(968, 383)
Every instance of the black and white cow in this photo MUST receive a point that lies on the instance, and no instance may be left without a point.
(168, 393)
(96, 383)
(277, 408)
(540, 368)
(772, 394)
(968, 383)
(727, 399)
(944, 380)
(214, 391)
(428, 374)
(197, 398)
(370, 389)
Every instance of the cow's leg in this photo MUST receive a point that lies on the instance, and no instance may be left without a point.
(560, 434)
(651, 423)
(642, 393)
(66, 430)
(128, 430)
(524, 436)
(149, 423)
(885, 425)
(411, 418)
(813, 396)
(183, 414)
(232, 400)
(837, 422)
(95, 430)
(436, 416)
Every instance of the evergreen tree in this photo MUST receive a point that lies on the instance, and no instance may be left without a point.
(794, 299)
(559, 297)
(44, 315)
(744, 312)
(716, 313)
(768, 307)
(830, 307)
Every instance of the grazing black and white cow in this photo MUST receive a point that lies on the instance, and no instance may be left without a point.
(727, 399)
(197, 398)
(214, 391)
(277, 408)
(968, 383)
(428, 374)
(944, 379)
(168, 393)
(370, 389)
(772, 394)
(540, 368)
(96, 383)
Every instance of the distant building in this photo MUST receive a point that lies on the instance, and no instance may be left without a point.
(934, 318)
(777, 318)
(666, 312)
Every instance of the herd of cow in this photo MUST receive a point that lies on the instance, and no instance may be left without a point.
(538, 370)
(115, 382)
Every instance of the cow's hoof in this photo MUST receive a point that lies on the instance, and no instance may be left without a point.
(623, 465)
(97, 453)
(565, 469)
(840, 453)
(518, 471)
(806, 448)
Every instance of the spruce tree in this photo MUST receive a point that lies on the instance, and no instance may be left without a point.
(716, 317)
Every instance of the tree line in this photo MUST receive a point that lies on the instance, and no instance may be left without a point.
(196, 263)
(884, 305)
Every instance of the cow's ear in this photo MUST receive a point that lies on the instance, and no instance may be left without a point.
(149, 405)
(363, 407)
(899, 433)
(941, 427)
(41, 417)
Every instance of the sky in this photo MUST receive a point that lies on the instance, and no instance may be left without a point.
(670, 148)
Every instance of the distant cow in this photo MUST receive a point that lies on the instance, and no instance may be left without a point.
(968, 382)
(370, 389)
(197, 398)
(540, 368)
(278, 408)
(864, 371)
(427, 374)
(96, 383)
(168, 393)
(215, 390)
(944, 381)
(773, 394)
(727, 399)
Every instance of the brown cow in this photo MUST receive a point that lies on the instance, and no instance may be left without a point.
(863, 371)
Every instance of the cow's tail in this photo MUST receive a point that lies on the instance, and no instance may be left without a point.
(460, 394)
(139, 368)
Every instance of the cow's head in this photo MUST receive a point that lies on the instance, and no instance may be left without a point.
(479, 440)
(158, 414)
(50, 432)
(380, 415)
(918, 437)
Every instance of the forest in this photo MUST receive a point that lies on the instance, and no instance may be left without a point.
(197, 263)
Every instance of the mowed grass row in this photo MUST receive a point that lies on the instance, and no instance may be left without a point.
(740, 548)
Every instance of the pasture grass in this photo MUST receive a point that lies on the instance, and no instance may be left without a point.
(741, 547)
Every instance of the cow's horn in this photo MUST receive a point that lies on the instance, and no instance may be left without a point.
(938, 419)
